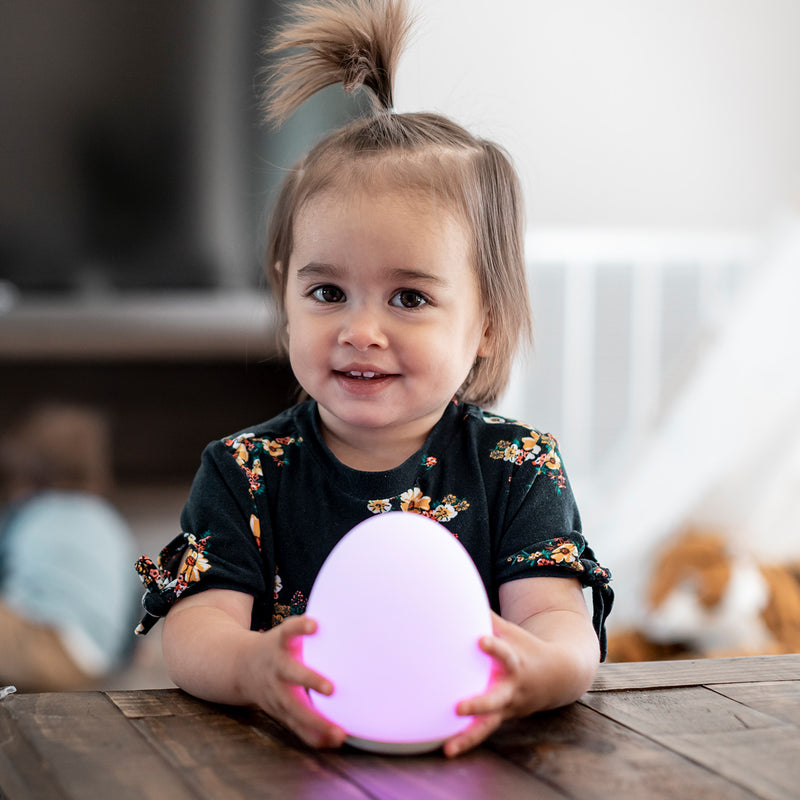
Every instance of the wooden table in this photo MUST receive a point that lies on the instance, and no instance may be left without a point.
(727, 728)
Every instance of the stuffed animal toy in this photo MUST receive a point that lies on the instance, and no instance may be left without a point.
(706, 601)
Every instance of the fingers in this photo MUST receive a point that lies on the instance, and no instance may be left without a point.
(293, 627)
(286, 681)
(290, 703)
(330, 737)
(497, 697)
(298, 674)
(309, 725)
(473, 735)
(292, 670)
(502, 652)
(314, 730)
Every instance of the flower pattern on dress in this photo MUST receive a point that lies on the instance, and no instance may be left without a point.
(602, 573)
(414, 501)
(281, 611)
(247, 449)
(195, 562)
(553, 552)
(444, 512)
(277, 448)
(254, 475)
(379, 506)
(539, 448)
(255, 528)
(168, 580)
(241, 446)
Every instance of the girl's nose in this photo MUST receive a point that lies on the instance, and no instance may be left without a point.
(362, 330)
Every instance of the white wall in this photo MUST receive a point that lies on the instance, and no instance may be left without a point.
(646, 113)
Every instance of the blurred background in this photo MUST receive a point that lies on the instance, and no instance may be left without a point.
(658, 146)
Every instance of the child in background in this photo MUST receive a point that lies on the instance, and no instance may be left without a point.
(66, 596)
(395, 258)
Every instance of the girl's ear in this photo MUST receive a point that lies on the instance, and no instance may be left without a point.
(486, 343)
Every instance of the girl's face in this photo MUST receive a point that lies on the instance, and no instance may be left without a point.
(384, 316)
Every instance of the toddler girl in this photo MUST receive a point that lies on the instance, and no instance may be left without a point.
(395, 259)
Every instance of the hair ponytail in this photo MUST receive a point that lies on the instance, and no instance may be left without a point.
(353, 42)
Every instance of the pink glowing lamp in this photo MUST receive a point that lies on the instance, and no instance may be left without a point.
(400, 608)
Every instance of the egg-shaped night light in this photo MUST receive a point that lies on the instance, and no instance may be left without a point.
(400, 608)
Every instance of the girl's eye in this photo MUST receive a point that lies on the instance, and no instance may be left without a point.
(408, 299)
(328, 294)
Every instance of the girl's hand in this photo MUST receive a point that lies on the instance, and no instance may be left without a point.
(231, 664)
(506, 693)
(279, 682)
(545, 654)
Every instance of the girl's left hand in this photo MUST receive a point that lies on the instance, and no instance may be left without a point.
(506, 692)
(545, 655)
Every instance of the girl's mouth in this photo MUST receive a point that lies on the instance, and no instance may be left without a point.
(364, 376)
(363, 383)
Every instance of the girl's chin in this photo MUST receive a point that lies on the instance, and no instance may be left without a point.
(361, 420)
(354, 419)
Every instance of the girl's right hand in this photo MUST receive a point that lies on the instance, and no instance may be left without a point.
(229, 663)
(279, 682)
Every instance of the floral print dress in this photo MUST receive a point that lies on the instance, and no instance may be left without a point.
(268, 504)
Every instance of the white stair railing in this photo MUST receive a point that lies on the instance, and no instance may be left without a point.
(617, 314)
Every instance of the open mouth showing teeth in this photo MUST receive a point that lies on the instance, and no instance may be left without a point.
(364, 375)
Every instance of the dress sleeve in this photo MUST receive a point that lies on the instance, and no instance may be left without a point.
(220, 540)
(541, 535)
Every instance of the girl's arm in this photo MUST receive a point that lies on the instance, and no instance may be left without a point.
(546, 652)
(211, 653)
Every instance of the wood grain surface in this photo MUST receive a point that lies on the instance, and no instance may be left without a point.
(725, 728)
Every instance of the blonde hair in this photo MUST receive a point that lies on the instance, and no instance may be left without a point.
(357, 43)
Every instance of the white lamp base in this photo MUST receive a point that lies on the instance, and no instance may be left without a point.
(394, 748)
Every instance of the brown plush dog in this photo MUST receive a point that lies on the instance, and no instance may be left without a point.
(705, 601)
